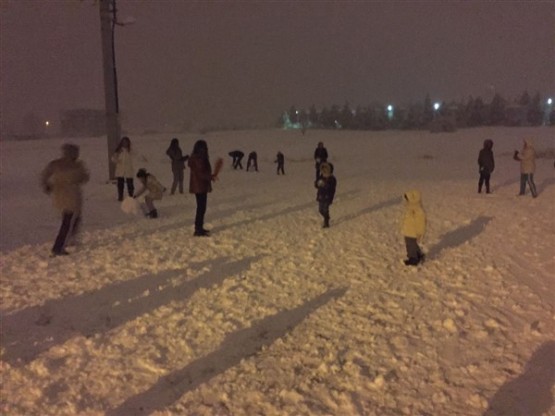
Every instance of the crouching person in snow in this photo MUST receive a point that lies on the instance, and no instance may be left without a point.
(155, 191)
(62, 178)
(326, 185)
(413, 227)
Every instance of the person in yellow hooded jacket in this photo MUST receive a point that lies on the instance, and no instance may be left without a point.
(413, 227)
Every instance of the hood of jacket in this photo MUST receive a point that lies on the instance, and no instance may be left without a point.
(413, 197)
(488, 144)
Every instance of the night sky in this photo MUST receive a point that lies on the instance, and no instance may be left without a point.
(210, 63)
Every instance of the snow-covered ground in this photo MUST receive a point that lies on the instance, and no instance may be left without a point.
(274, 315)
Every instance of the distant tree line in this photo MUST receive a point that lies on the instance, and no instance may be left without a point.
(525, 111)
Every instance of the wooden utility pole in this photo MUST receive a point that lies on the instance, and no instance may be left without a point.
(107, 26)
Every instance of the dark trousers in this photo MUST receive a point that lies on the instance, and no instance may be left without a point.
(484, 178)
(318, 169)
(413, 250)
(324, 210)
(237, 162)
(527, 178)
(69, 227)
(177, 180)
(252, 162)
(130, 187)
(280, 169)
(202, 200)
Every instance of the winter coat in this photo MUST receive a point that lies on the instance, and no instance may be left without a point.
(154, 189)
(124, 163)
(527, 158)
(485, 158)
(414, 218)
(236, 154)
(200, 181)
(326, 189)
(178, 160)
(320, 154)
(63, 179)
(280, 159)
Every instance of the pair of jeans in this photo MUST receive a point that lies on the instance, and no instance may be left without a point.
(527, 178)
(70, 226)
(202, 200)
(130, 187)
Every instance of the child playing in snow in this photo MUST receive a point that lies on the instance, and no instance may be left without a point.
(413, 227)
(155, 191)
(326, 184)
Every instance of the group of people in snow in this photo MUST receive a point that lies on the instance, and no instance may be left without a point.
(63, 178)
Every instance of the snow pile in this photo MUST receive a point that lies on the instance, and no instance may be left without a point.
(273, 315)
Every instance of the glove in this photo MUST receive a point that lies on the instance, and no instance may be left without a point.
(515, 156)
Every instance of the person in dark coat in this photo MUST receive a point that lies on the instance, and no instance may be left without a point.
(320, 156)
(280, 160)
(178, 165)
(326, 185)
(252, 160)
(62, 178)
(200, 183)
(486, 164)
(237, 156)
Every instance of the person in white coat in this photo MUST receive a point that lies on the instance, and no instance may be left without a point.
(62, 179)
(527, 159)
(123, 159)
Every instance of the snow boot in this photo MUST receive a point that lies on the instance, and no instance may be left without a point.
(421, 257)
(411, 261)
(326, 222)
(153, 214)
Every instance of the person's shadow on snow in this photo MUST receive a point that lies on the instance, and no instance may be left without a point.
(235, 347)
(547, 182)
(459, 236)
(376, 207)
(530, 393)
(31, 331)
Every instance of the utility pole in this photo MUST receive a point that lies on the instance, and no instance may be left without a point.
(107, 26)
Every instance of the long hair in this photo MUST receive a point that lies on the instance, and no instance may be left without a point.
(124, 142)
(200, 148)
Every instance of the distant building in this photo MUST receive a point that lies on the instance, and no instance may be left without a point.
(83, 122)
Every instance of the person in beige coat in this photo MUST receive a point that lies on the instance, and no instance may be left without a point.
(527, 159)
(124, 170)
(155, 190)
(413, 227)
(62, 178)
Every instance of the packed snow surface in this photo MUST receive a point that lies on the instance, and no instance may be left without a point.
(273, 315)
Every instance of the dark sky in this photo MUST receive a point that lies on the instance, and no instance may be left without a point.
(245, 62)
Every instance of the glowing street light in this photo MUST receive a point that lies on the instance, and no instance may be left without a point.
(390, 112)
(47, 123)
(436, 106)
(549, 101)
